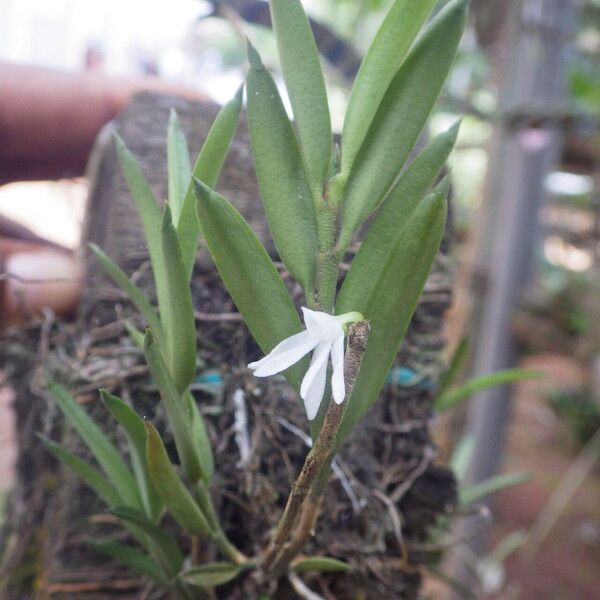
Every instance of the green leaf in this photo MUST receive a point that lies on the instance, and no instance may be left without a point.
(207, 168)
(178, 315)
(179, 168)
(478, 491)
(284, 187)
(457, 363)
(177, 411)
(101, 447)
(90, 476)
(171, 489)
(211, 574)
(249, 274)
(461, 457)
(201, 438)
(135, 294)
(134, 559)
(135, 334)
(163, 545)
(134, 428)
(476, 384)
(150, 215)
(392, 303)
(395, 211)
(324, 564)
(305, 86)
(401, 116)
(384, 57)
(371, 260)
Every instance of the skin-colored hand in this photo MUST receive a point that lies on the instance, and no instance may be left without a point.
(48, 123)
(34, 274)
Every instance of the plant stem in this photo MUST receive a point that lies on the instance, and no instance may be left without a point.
(217, 534)
(302, 509)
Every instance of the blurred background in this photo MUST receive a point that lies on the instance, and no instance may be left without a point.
(526, 214)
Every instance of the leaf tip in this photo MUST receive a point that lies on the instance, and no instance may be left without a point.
(253, 56)
(239, 94)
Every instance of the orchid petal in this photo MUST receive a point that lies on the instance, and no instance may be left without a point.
(338, 385)
(321, 325)
(284, 355)
(313, 384)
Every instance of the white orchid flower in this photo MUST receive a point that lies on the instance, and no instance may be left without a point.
(324, 336)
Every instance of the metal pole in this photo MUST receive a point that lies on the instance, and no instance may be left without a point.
(534, 65)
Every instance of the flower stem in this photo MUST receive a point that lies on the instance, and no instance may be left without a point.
(304, 502)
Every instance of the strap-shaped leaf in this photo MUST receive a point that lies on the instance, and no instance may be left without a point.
(200, 437)
(163, 545)
(392, 303)
(131, 557)
(135, 334)
(393, 215)
(284, 186)
(461, 457)
(452, 397)
(150, 215)
(384, 57)
(134, 428)
(478, 491)
(455, 367)
(249, 274)
(135, 294)
(305, 85)
(177, 410)
(211, 574)
(90, 476)
(171, 489)
(207, 168)
(178, 316)
(324, 564)
(100, 446)
(179, 168)
(402, 115)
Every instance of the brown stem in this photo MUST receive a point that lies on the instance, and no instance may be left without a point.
(304, 502)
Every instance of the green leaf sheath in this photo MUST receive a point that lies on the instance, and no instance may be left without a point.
(249, 274)
(132, 558)
(476, 384)
(284, 187)
(211, 574)
(164, 547)
(200, 437)
(323, 564)
(384, 57)
(88, 474)
(101, 447)
(139, 299)
(179, 168)
(171, 489)
(179, 322)
(393, 215)
(306, 87)
(134, 428)
(401, 116)
(207, 168)
(150, 215)
(177, 410)
(392, 303)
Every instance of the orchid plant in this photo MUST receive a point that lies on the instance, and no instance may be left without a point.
(317, 195)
